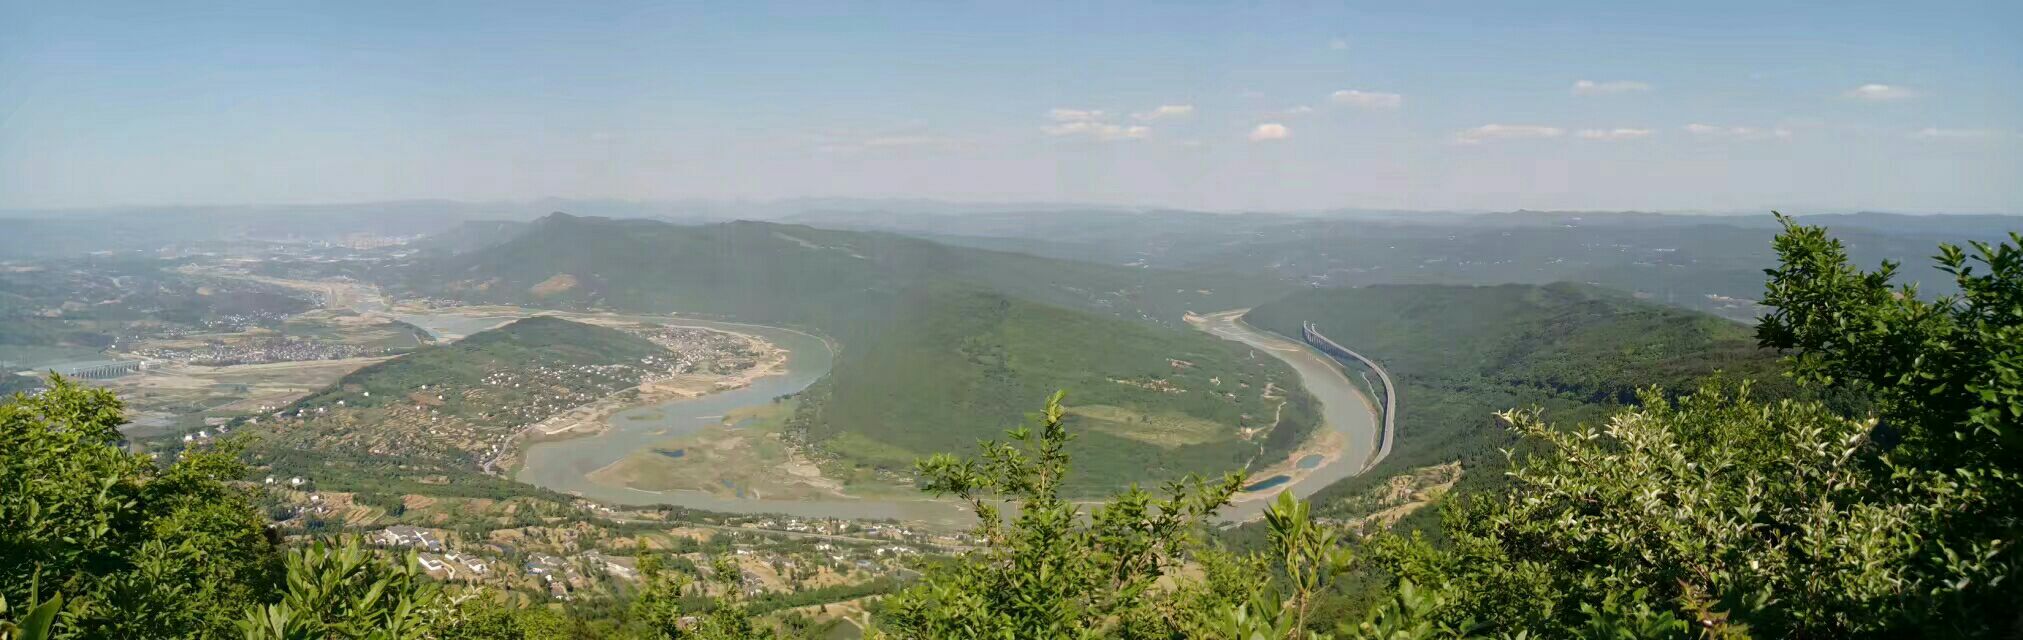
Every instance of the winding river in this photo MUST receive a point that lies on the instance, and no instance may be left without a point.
(1345, 409)
(565, 465)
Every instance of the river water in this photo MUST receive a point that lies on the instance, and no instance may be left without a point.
(1345, 409)
(564, 465)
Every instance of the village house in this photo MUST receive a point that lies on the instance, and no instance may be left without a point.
(408, 536)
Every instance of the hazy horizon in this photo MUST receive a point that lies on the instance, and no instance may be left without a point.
(773, 207)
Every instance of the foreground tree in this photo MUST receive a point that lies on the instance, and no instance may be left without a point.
(1720, 516)
(1278, 593)
(136, 550)
(1738, 517)
(346, 591)
(96, 542)
(1946, 377)
(658, 606)
(1047, 571)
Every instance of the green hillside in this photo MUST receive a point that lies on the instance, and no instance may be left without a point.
(447, 409)
(836, 281)
(1459, 353)
(1147, 403)
(539, 341)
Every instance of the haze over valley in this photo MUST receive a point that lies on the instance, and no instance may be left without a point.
(796, 321)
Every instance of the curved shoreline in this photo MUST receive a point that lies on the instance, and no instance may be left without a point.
(1349, 414)
(566, 465)
(1390, 411)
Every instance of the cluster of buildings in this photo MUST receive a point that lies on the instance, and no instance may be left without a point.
(242, 321)
(218, 354)
(852, 529)
(453, 566)
(693, 347)
(766, 560)
(409, 536)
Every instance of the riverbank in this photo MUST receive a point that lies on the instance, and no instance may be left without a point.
(1350, 425)
(592, 418)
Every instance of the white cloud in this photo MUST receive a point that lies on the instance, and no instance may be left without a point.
(1101, 131)
(1367, 99)
(1592, 88)
(1880, 93)
(1074, 115)
(1269, 131)
(1165, 111)
(1294, 112)
(1737, 133)
(1489, 132)
(1338, 44)
(1935, 133)
(1611, 135)
(1089, 123)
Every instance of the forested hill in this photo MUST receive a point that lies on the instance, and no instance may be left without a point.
(790, 274)
(540, 341)
(450, 409)
(1459, 353)
(960, 365)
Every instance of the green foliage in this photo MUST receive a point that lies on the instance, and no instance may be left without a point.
(475, 619)
(347, 592)
(1728, 513)
(1047, 571)
(1946, 377)
(136, 549)
(1307, 559)
(38, 620)
(1946, 374)
(1720, 516)
(659, 606)
(983, 357)
(1459, 354)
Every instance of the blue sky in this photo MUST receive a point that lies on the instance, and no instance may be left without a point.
(1227, 106)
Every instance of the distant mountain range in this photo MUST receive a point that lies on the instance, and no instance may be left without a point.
(831, 280)
(43, 233)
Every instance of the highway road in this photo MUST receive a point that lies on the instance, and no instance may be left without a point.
(1345, 409)
(1315, 337)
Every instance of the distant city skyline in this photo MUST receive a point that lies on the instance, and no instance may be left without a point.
(1474, 105)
